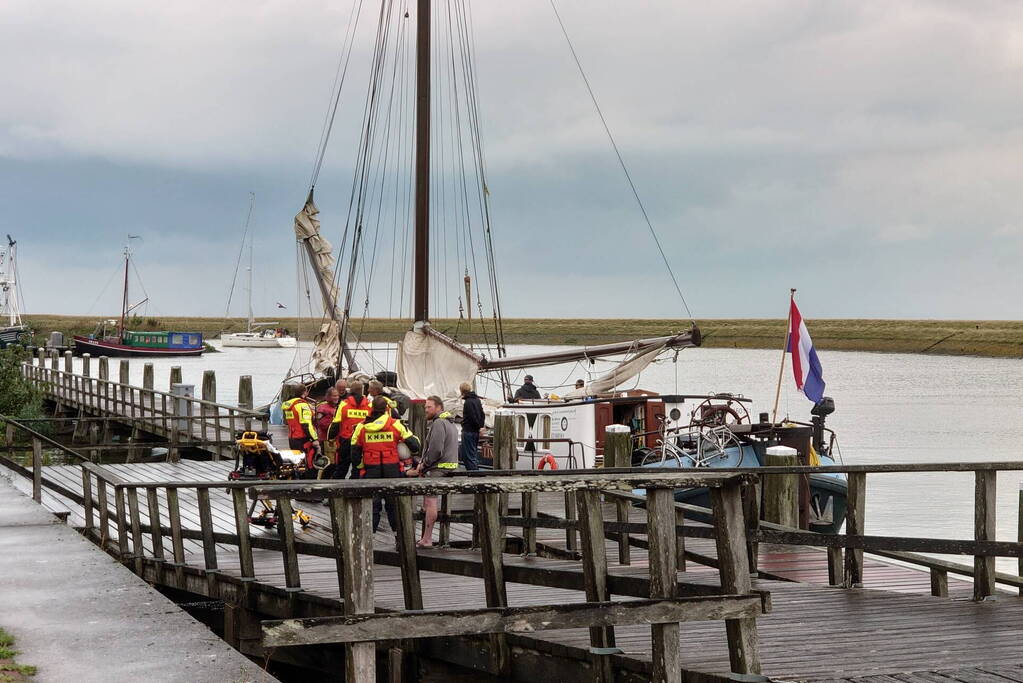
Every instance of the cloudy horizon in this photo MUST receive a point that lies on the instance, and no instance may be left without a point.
(863, 152)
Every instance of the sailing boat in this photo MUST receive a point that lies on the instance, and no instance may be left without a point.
(111, 337)
(568, 431)
(15, 331)
(253, 337)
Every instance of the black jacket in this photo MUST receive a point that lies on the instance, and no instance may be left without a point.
(472, 413)
(527, 390)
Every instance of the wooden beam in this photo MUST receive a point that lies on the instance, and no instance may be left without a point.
(854, 518)
(435, 623)
(984, 530)
(492, 549)
(594, 558)
(286, 532)
(662, 555)
(355, 534)
(241, 523)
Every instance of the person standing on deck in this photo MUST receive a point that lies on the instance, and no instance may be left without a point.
(472, 422)
(342, 389)
(298, 415)
(350, 413)
(440, 459)
(375, 449)
(528, 390)
(376, 388)
(322, 417)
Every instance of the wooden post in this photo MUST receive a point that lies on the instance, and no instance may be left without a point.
(241, 523)
(104, 376)
(353, 521)
(939, 583)
(570, 516)
(175, 375)
(751, 513)
(37, 470)
(147, 376)
(444, 536)
(504, 440)
(730, 537)
(529, 511)
(177, 539)
(124, 381)
(245, 392)
(617, 446)
(781, 502)
(124, 372)
(209, 393)
(104, 512)
(406, 543)
(41, 356)
(491, 549)
(122, 523)
(594, 555)
(69, 363)
(680, 539)
(9, 441)
(137, 549)
(984, 530)
(854, 518)
(155, 531)
(836, 572)
(209, 386)
(622, 516)
(86, 358)
(87, 500)
(1019, 532)
(662, 555)
(209, 545)
(286, 532)
(54, 360)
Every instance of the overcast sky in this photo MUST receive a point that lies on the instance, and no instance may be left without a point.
(866, 152)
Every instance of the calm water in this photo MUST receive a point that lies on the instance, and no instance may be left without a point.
(890, 408)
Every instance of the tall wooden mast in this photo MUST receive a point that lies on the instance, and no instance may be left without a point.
(421, 266)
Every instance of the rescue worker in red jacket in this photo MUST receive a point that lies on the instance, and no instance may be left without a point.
(350, 412)
(375, 449)
(298, 415)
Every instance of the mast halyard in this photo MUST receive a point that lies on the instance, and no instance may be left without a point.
(251, 321)
(421, 265)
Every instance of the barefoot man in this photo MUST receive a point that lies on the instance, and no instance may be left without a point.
(440, 458)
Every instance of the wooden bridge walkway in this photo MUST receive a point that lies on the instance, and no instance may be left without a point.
(890, 630)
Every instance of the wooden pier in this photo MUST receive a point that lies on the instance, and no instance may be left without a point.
(578, 575)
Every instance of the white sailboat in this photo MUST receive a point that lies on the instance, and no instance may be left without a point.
(15, 331)
(256, 335)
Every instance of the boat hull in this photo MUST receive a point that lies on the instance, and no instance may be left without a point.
(97, 347)
(242, 340)
(19, 334)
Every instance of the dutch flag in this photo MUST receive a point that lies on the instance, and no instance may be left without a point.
(805, 365)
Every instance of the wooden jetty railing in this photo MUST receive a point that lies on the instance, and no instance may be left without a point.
(664, 604)
(176, 417)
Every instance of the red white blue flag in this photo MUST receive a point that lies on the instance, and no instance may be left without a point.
(805, 365)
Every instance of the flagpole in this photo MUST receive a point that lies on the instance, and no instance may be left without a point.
(784, 350)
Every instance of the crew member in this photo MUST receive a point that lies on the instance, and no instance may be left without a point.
(528, 390)
(375, 449)
(298, 415)
(376, 388)
(350, 413)
(440, 459)
(342, 389)
(472, 422)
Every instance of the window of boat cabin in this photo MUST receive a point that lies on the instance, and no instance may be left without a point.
(193, 340)
(545, 429)
(520, 426)
(177, 339)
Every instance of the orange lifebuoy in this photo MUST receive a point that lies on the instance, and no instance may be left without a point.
(547, 459)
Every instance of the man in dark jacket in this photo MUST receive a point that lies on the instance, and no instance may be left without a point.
(472, 423)
(528, 390)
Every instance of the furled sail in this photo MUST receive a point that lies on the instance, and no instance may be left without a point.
(430, 364)
(320, 254)
(619, 375)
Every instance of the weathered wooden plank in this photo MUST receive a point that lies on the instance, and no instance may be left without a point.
(155, 528)
(87, 502)
(854, 520)
(37, 470)
(939, 583)
(662, 555)
(984, 530)
(136, 527)
(355, 536)
(594, 559)
(743, 641)
(209, 546)
(893, 543)
(411, 584)
(241, 516)
(434, 623)
(286, 532)
(491, 549)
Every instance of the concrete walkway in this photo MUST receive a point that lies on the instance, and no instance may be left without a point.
(80, 616)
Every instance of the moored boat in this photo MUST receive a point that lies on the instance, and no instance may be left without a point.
(15, 331)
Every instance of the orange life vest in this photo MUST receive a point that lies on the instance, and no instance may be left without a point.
(299, 417)
(379, 440)
(349, 414)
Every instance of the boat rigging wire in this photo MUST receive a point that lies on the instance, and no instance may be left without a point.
(241, 252)
(621, 160)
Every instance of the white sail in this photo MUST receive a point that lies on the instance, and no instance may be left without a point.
(622, 373)
(428, 365)
(327, 341)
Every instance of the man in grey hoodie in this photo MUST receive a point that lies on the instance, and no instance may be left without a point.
(440, 458)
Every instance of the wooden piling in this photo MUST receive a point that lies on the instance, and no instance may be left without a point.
(124, 376)
(594, 556)
(352, 519)
(245, 392)
(781, 502)
(984, 530)
(69, 363)
(209, 386)
(37, 470)
(41, 356)
(504, 440)
(854, 519)
(54, 360)
(667, 659)
(104, 376)
(86, 358)
(617, 446)
(175, 375)
(147, 376)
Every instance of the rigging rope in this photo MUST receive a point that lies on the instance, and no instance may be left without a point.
(621, 160)
(241, 252)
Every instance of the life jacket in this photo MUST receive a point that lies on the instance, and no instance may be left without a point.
(379, 440)
(349, 414)
(298, 415)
